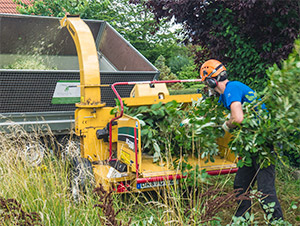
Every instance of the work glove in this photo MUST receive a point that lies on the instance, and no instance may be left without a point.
(225, 127)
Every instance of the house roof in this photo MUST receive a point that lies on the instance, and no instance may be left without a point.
(8, 6)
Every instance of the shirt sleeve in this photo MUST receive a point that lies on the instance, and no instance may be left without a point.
(233, 94)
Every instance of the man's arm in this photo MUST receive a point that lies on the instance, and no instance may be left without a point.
(237, 114)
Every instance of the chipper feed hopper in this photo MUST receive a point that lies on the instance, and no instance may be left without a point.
(112, 143)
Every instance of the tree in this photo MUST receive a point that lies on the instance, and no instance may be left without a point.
(177, 62)
(166, 74)
(138, 25)
(183, 65)
(58, 8)
(246, 35)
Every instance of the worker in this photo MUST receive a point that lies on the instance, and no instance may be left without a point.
(232, 95)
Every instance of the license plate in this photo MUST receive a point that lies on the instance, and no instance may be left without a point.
(154, 184)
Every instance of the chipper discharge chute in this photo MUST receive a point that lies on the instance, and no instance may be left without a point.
(112, 143)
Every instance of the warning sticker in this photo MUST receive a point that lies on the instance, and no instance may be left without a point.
(125, 157)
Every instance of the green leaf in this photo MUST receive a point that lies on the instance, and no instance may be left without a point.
(272, 204)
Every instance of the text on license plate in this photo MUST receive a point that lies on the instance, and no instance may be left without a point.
(155, 184)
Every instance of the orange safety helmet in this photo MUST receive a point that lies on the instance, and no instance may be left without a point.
(211, 68)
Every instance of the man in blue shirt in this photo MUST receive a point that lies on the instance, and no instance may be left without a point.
(232, 95)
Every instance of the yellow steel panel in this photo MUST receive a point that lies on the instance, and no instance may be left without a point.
(142, 90)
(102, 171)
(94, 149)
(224, 148)
(125, 156)
(91, 118)
(87, 57)
(219, 163)
(149, 100)
(150, 169)
(87, 122)
(126, 146)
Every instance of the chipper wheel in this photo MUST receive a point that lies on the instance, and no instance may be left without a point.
(33, 153)
(81, 177)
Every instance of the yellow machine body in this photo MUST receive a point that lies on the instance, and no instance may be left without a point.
(128, 129)
(126, 168)
(145, 94)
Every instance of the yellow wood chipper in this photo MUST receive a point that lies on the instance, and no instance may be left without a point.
(111, 144)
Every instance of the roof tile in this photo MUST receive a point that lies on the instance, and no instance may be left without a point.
(8, 6)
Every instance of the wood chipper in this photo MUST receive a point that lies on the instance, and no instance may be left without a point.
(111, 144)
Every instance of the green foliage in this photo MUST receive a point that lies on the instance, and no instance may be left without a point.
(249, 218)
(159, 126)
(178, 130)
(58, 8)
(245, 63)
(177, 62)
(189, 71)
(194, 176)
(194, 89)
(137, 24)
(247, 36)
(279, 126)
(183, 65)
(151, 50)
(166, 74)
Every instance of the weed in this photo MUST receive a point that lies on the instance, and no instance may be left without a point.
(106, 204)
(212, 201)
(11, 212)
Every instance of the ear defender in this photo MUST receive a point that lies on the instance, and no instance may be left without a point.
(208, 73)
(211, 82)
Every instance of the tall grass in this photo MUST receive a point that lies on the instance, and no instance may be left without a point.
(43, 187)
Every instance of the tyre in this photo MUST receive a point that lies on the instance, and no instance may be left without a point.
(81, 177)
(33, 153)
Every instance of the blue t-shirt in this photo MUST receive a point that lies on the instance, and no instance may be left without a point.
(235, 91)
